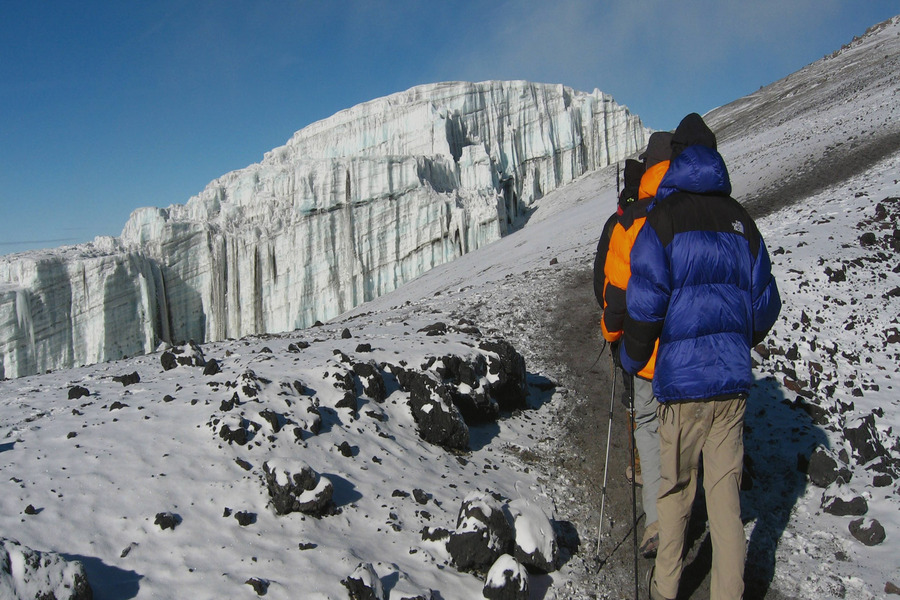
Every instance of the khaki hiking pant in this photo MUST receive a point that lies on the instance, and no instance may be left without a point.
(715, 429)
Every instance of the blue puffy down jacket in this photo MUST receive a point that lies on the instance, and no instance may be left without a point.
(701, 282)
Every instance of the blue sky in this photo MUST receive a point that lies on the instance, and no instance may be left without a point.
(109, 106)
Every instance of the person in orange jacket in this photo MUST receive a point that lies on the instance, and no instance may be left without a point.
(617, 273)
(634, 170)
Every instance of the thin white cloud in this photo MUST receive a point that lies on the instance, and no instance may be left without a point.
(670, 52)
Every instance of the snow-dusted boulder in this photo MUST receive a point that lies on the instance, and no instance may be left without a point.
(295, 487)
(841, 500)
(506, 580)
(535, 540)
(364, 584)
(482, 533)
(27, 573)
(190, 354)
(351, 207)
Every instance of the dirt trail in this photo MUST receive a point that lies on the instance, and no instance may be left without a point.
(575, 344)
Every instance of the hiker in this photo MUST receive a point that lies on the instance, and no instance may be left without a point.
(701, 285)
(634, 170)
(618, 272)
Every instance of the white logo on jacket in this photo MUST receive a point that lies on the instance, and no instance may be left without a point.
(739, 227)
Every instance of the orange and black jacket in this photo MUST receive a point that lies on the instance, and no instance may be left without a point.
(617, 269)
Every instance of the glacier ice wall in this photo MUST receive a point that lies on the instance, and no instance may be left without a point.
(348, 209)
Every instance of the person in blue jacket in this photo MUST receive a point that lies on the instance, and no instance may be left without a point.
(701, 284)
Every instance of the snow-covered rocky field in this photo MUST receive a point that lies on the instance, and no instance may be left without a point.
(166, 480)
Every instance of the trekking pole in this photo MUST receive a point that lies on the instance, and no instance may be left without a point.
(634, 497)
(612, 396)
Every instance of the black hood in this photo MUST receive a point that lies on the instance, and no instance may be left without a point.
(634, 170)
(692, 131)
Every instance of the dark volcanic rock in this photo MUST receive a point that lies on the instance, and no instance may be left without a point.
(372, 381)
(823, 469)
(274, 419)
(167, 520)
(346, 381)
(297, 346)
(438, 328)
(868, 531)
(129, 379)
(345, 449)
(432, 534)
(212, 367)
(882, 480)
(864, 440)
(168, 361)
(509, 368)
(297, 488)
(348, 401)
(239, 435)
(77, 391)
(439, 421)
(260, 586)
(245, 518)
(469, 387)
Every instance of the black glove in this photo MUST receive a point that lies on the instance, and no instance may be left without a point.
(614, 349)
(627, 386)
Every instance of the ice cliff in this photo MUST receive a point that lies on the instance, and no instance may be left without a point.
(348, 209)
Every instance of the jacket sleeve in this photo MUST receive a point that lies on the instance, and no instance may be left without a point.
(617, 274)
(599, 261)
(647, 299)
(765, 297)
(600, 258)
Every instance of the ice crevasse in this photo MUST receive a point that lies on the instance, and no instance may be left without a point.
(350, 208)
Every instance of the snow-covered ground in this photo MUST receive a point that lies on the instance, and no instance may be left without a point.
(97, 470)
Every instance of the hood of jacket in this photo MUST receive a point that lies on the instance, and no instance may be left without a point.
(692, 131)
(697, 170)
(634, 169)
(651, 179)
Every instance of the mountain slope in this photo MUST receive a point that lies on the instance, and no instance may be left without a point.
(819, 126)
